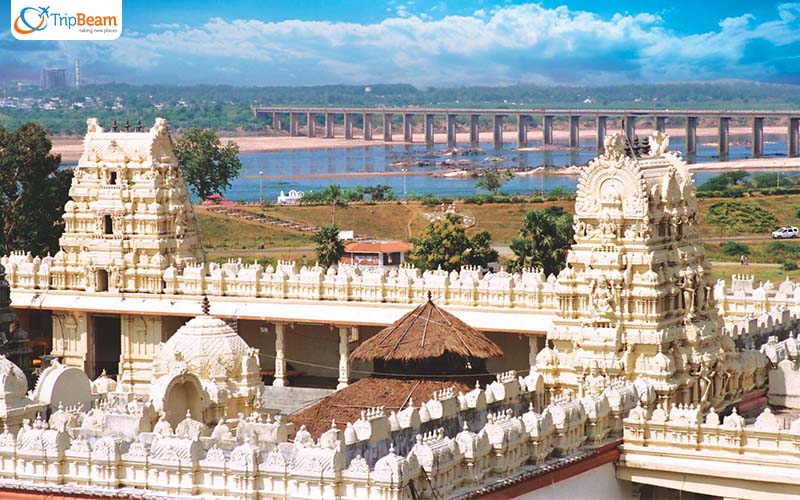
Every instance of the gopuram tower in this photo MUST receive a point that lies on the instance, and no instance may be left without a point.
(129, 217)
(636, 297)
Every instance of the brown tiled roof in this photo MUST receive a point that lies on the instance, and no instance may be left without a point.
(427, 332)
(346, 405)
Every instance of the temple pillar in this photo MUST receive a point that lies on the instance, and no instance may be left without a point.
(533, 350)
(792, 136)
(574, 131)
(522, 130)
(723, 141)
(451, 131)
(387, 127)
(367, 126)
(408, 127)
(280, 356)
(344, 362)
(348, 125)
(276, 121)
(71, 340)
(311, 127)
(329, 125)
(293, 124)
(758, 137)
(691, 135)
(601, 133)
(630, 126)
(474, 130)
(498, 132)
(547, 130)
(140, 337)
(661, 123)
(429, 129)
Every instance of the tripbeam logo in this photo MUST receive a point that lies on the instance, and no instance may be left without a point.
(66, 20)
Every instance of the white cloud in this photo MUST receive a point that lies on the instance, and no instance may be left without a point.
(507, 44)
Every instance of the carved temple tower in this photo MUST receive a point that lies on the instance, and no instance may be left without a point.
(129, 217)
(636, 298)
(128, 222)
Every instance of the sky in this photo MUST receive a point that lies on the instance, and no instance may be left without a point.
(428, 43)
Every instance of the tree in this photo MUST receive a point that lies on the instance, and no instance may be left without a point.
(493, 180)
(724, 180)
(543, 239)
(445, 244)
(329, 247)
(207, 165)
(33, 191)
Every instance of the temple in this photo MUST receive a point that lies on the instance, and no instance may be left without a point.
(631, 374)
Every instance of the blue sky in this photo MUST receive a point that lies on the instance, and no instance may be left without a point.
(429, 42)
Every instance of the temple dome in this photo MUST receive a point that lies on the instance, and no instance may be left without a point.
(202, 343)
(13, 384)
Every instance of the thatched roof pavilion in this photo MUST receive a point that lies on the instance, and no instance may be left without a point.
(428, 341)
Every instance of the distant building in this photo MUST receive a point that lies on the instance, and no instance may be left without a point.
(376, 253)
(54, 79)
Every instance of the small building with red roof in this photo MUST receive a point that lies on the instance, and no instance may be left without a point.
(376, 252)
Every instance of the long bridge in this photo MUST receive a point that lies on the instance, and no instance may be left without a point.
(525, 120)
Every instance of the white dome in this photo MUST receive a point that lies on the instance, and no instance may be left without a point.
(13, 383)
(202, 343)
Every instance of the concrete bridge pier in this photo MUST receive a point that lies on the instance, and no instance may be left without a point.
(276, 121)
(293, 124)
(792, 136)
(498, 131)
(329, 124)
(311, 124)
(387, 127)
(691, 135)
(723, 139)
(574, 131)
(522, 130)
(367, 126)
(758, 137)
(429, 129)
(547, 130)
(451, 131)
(601, 133)
(348, 125)
(474, 130)
(661, 123)
(408, 127)
(630, 126)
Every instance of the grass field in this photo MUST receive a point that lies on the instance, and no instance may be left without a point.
(224, 236)
(220, 232)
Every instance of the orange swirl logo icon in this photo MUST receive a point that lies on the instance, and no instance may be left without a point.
(31, 19)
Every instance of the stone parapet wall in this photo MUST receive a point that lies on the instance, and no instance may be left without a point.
(448, 445)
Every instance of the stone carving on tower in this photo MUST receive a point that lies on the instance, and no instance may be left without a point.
(129, 217)
(636, 296)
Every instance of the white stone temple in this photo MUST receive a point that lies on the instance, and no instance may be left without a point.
(646, 358)
(636, 298)
(129, 217)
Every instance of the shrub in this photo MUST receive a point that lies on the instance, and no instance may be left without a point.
(789, 265)
(736, 217)
(735, 248)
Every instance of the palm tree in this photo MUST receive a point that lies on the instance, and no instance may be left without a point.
(329, 247)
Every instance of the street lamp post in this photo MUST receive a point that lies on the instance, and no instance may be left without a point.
(405, 193)
(261, 186)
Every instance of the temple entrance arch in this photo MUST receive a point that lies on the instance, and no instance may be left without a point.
(175, 393)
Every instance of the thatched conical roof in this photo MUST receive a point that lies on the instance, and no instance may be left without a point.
(427, 332)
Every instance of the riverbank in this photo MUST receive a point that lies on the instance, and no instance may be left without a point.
(70, 147)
